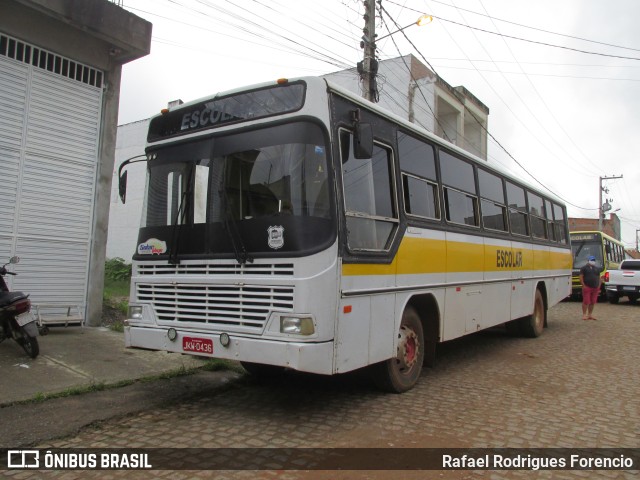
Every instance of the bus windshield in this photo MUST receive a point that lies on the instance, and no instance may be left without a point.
(229, 190)
(582, 249)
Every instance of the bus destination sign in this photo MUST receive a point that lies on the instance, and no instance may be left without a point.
(581, 237)
(233, 108)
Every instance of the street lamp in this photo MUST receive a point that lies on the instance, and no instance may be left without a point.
(423, 20)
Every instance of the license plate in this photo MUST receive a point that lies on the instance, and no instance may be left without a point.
(198, 345)
(24, 318)
(631, 289)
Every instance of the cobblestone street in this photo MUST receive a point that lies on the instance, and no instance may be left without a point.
(576, 386)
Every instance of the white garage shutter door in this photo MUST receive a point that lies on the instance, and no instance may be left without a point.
(50, 110)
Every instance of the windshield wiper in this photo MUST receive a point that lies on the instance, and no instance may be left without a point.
(231, 227)
(182, 209)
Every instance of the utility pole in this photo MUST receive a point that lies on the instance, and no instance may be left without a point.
(601, 210)
(369, 64)
(637, 230)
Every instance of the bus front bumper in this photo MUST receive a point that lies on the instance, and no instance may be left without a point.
(302, 356)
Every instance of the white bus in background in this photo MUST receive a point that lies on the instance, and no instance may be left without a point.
(296, 225)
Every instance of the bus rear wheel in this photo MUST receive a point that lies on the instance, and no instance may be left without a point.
(401, 373)
(532, 325)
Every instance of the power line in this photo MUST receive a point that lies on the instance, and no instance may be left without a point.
(479, 122)
(277, 38)
(580, 77)
(542, 100)
(519, 25)
(535, 41)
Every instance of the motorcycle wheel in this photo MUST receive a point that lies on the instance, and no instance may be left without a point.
(29, 344)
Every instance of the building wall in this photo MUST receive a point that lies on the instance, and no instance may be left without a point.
(101, 35)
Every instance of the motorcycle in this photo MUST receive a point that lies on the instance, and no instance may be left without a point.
(16, 319)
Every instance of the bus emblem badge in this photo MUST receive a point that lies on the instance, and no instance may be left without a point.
(276, 237)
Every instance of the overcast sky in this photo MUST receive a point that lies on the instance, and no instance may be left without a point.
(567, 117)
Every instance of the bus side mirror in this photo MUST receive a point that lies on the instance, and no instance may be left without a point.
(607, 248)
(122, 186)
(363, 141)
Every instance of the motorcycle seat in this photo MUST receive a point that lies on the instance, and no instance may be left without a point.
(7, 298)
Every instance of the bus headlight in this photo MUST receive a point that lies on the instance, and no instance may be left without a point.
(297, 325)
(135, 312)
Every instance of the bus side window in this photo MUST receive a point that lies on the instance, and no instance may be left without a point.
(492, 202)
(419, 182)
(548, 210)
(369, 196)
(517, 210)
(560, 223)
(459, 188)
(537, 215)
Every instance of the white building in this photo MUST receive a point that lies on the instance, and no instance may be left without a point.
(411, 90)
(124, 219)
(407, 88)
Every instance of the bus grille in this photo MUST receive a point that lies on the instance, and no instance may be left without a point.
(230, 307)
(215, 269)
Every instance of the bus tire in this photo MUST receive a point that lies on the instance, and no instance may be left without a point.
(401, 373)
(532, 325)
(260, 370)
(513, 328)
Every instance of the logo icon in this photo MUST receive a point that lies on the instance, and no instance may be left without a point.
(23, 459)
(153, 246)
(275, 237)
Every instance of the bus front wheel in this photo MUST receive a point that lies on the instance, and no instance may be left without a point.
(401, 373)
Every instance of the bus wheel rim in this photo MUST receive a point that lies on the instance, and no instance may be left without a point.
(408, 348)
(538, 315)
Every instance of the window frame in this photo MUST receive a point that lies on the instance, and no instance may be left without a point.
(436, 197)
(518, 210)
(562, 235)
(446, 188)
(541, 220)
(474, 198)
(406, 174)
(395, 222)
(504, 207)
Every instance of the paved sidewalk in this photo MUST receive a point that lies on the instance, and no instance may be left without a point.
(76, 357)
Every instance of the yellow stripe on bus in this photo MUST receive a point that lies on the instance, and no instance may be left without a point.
(419, 255)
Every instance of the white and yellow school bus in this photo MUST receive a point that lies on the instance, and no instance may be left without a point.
(296, 225)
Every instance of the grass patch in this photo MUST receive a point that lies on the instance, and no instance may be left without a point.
(69, 392)
(218, 364)
(210, 365)
(116, 288)
(115, 303)
(117, 326)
